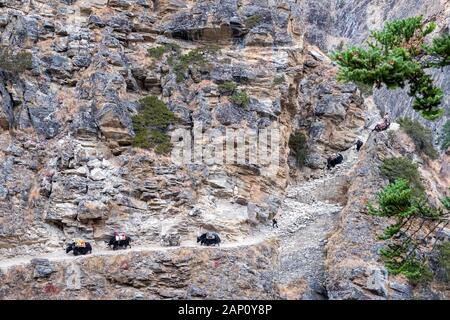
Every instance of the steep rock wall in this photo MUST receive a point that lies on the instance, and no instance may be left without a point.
(354, 267)
(177, 273)
(68, 168)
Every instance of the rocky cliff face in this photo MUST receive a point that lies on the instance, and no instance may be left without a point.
(354, 268)
(177, 273)
(68, 169)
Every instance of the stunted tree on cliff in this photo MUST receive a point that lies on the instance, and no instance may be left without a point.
(398, 56)
(408, 247)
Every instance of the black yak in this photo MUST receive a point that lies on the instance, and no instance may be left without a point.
(334, 160)
(119, 241)
(209, 238)
(78, 249)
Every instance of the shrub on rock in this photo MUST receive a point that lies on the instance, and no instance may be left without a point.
(420, 135)
(150, 123)
(299, 147)
(403, 168)
(240, 98)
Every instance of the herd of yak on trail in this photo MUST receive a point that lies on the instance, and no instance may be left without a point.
(120, 240)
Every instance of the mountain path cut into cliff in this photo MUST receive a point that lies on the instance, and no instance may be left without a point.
(302, 231)
(304, 226)
(98, 250)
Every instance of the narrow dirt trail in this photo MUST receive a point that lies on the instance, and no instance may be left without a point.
(304, 226)
(101, 250)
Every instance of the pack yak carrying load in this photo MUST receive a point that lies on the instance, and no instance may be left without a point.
(78, 247)
(120, 240)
